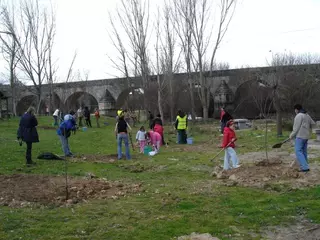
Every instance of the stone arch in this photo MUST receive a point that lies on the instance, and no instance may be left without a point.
(131, 98)
(108, 100)
(29, 101)
(81, 98)
(251, 98)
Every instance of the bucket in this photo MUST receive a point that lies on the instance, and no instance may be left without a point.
(147, 149)
(190, 140)
(84, 129)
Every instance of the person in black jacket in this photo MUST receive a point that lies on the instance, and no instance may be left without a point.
(86, 114)
(151, 117)
(225, 118)
(27, 132)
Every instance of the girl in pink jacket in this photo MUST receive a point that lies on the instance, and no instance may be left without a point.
(155, 139)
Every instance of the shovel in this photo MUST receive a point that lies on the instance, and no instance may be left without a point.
(278, 145)
(221, 151)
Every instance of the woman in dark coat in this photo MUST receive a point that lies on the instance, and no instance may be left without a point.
(27, 132)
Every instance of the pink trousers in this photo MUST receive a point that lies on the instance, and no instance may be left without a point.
(142, 144)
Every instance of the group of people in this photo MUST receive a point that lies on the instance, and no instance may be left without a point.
(80, 115)
(27, 133)
(301, 133)
(153, 137)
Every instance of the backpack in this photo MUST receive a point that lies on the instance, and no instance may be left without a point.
(49, 156)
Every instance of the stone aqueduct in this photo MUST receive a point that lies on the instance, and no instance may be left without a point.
(109, 94)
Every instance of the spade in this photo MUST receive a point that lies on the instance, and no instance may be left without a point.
(278, 145)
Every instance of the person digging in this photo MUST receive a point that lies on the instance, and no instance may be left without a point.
(301, 133)
(228, 144)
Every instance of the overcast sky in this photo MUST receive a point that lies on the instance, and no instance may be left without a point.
(258, 27)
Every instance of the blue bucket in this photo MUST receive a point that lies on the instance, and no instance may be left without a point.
(190, 140)
(84, 129)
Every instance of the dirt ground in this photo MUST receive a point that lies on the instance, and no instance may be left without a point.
(280, 171)
(95, 158)
(302, 230)
(21, 190)
(197, 236)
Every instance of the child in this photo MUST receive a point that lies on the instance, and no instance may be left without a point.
(229, 137)
(155, 139)
(141, 138)
(97, 115)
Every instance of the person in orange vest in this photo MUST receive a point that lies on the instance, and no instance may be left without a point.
(97, 115)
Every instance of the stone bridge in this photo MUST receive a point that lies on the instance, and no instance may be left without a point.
(110, 94)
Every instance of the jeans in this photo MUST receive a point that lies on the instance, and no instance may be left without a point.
(123, 137)
(55, 120)
(300, 147)
(230, 153)
(182, 137)
(65, 145)
(28, 152)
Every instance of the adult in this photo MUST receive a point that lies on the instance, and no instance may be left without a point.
(121, 130)
(80, 116)
(64, 132)
(181, 125)
(225, 117)
(27, 132)
(157, 126)
(301, 132)
(86, 114)
(150, 117)
(56, 116)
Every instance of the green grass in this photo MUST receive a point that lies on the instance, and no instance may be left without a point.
(179, 196)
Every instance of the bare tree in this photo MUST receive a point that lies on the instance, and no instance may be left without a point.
(170, 62)
(183, 23)
(134, 19)
(201, 25)
(10, 49)
(33, 41)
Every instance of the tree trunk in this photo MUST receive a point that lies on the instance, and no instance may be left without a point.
(278, 115)
(205, 113)
(160, 104)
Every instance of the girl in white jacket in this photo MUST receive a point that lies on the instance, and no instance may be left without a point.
(141, 138)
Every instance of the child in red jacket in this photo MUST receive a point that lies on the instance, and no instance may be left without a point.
(229, 137)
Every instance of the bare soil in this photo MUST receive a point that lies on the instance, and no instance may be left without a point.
(95, 158)
(198, 236)
(279, 171)
(21, 190)
(301, 230)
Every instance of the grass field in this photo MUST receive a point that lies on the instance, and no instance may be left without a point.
(177, 196)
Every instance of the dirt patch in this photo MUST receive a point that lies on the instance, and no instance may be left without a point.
(111, 158)
(139, 167)
(21, 190)
(95, 158)
(302, 230)
(198, 236)
(274, 175)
